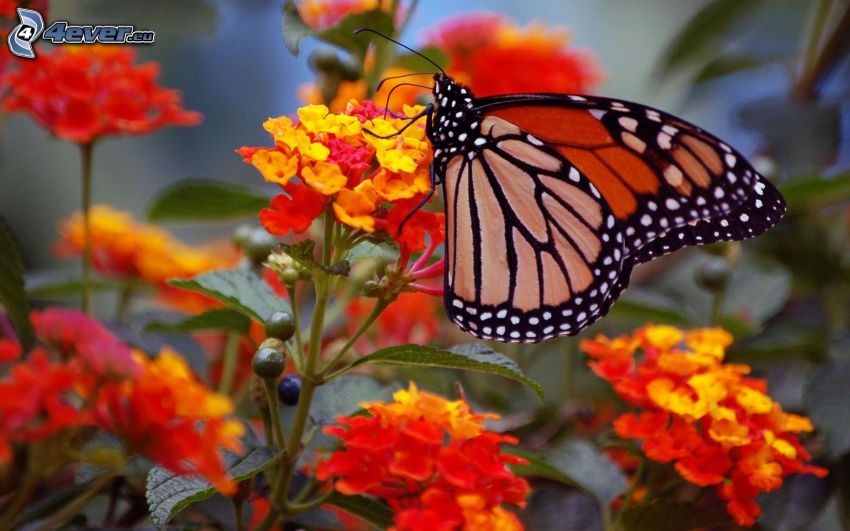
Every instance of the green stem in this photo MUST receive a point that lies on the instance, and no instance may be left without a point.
(298, 354)
(380, 306)
(125, 298)
(229, 361)
(86, 152)
(73, 507)
(830, 57)
(274, 413)
(24, 490)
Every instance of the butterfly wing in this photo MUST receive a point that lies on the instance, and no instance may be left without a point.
(669, 183)
(533, 250)
(562, 195)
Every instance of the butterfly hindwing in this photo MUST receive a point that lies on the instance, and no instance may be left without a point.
(533, 251)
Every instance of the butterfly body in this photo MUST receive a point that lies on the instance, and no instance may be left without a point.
(552, 199)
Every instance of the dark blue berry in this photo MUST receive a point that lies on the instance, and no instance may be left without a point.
(288, 389)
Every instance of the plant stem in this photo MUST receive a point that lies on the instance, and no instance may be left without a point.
(229, 360)
(125, 297)
(298, 355)
(274, 413)
(24, 490)
(86, 153)
(73, 507)
(238, 505)
(831, 54)
(380, 306)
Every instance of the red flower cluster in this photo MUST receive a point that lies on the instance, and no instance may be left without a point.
(83, 376)
(717, 425)
(83, 93)
(432, 460)
(494, 56)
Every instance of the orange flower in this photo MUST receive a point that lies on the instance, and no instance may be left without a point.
(431, 459)
(716, 425)
(83, 93)
(123, 247)
(333, 156)
(494, 56)
(167, 415)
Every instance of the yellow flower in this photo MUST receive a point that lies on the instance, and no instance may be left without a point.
(393, 187)
(324, 177)
(274, 165)
(354, 207)
(726, 429)
(680, 400)
(753, 401)
(318, 119)
(663, 337)
(283, 131)
(709, 341)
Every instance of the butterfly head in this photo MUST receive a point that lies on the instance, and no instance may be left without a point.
(455, 121)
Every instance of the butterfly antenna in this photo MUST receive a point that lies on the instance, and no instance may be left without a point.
(381, 83)
(408, 48)
(390, 95)
(421, 203)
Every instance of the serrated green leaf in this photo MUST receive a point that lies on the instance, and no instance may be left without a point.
(241, 290)
(727, 65)
(293, 28)
(672, 515)
(830, 416)
(219, 319)
(704, 31)
(12, 295)
(472, 357)
(814, 193)
(205, 200)
(168, 493)
(415, 63)
(376, 513)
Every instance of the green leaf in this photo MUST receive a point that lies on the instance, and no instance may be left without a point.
(219, 319)
(589, 470)
(814, 193)
(829, 415)
(241, 290)
(380, 251)
(472, 357)
(415, 63)
(727, 65)
(376, 513)
(12, 295)
(538, 467)
(705, 31)
(293, 28)
(672, 515)
(205, 200)
(343, 396)
(168, 493)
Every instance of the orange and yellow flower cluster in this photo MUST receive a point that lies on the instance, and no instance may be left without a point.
(81, 375)
(716, 424)
(493, 55)
(123, 247)
(432, 460)
(325, 158)
(83, 93)
(320, 14)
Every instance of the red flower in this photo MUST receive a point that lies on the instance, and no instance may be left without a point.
(431, 459)
(494, 56)
(294, 211)
(83, 93)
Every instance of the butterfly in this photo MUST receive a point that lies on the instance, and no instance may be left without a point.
(552, 199)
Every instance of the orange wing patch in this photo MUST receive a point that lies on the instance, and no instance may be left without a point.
(557, 125)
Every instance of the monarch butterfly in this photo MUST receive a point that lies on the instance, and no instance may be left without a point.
(552, 199)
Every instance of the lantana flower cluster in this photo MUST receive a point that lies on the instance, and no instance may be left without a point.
(80, 375)
(122, 247)
(339, 160)
(431, 459)
(717, 425)
(81, 93)
(494, 55)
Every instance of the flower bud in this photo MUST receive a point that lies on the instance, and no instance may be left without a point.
(241, 235)
(290, 276)
(280, 325)
(371, 288)
(288, 389)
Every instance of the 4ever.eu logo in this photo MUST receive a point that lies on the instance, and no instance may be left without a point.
(23, 36)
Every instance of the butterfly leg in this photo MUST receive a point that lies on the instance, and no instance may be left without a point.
(427, 111)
